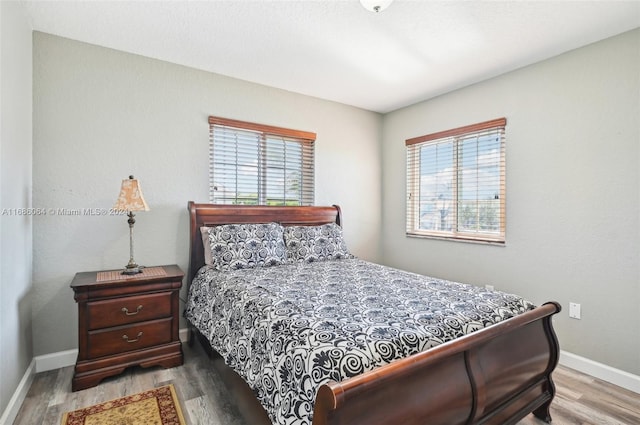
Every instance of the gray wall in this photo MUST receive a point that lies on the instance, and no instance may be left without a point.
(573, 212)
(15, 192)
(101, 114)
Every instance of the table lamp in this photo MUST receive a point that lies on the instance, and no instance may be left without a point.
(130, 200)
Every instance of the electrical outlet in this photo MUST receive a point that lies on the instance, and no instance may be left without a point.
(574, 310)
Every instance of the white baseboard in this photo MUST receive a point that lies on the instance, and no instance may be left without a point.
(12, 409)
(55, 360)
(183, 334)
(610, 374)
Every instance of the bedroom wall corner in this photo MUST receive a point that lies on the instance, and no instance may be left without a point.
(16, 344)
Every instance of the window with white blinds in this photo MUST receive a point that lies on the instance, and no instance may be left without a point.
(255, 164)
(456, 183)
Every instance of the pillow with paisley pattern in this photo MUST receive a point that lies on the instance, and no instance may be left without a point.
(243, 246)
(315, 243)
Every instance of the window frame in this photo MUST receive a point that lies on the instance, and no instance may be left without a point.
(455, 135)
(306, 140)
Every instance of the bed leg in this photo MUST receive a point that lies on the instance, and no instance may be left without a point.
(190, 336)
(543, 412)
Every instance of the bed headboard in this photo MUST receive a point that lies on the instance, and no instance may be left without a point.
(213, 215)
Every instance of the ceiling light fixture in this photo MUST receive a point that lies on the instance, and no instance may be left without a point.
(375, 5)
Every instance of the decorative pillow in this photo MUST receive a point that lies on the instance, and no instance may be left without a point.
(315, 243)
(243, 246)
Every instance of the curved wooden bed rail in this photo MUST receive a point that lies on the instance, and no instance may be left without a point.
(496, 375)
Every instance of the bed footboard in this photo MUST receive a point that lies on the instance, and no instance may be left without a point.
(496, 375)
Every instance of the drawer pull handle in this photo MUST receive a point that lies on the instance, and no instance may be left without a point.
(125, 310)
(126, 338)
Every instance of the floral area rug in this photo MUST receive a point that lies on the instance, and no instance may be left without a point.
(158, 406)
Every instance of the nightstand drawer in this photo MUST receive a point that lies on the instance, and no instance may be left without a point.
(128, 338)
(121, 311)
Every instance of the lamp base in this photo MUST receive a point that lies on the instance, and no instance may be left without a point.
(132, 269)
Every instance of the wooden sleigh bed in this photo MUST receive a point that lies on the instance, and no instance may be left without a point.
(495, 375)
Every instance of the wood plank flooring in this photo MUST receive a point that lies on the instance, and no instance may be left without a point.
(211, 394)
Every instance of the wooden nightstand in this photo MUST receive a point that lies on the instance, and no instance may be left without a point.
(125, 321)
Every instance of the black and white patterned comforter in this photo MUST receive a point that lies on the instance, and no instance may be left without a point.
(288, 329)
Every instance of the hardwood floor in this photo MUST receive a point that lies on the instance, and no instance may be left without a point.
(585, 400)
(211, 394)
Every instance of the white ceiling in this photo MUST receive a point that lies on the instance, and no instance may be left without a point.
(337, 50)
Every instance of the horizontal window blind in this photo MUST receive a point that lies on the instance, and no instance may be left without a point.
(255, 164)
(456, 183)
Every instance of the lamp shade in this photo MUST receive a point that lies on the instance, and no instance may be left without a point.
(131, 198)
